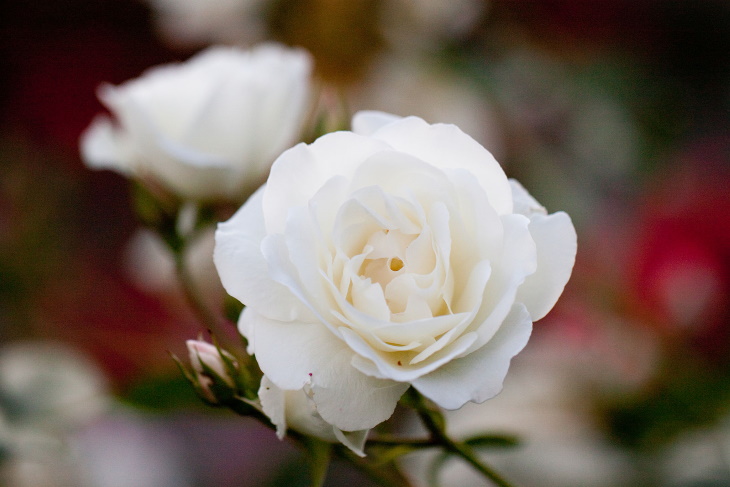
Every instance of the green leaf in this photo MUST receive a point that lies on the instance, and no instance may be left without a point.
(162, 393)
(232, 308)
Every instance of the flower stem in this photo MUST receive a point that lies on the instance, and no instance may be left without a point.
(416, 443)
(434, 422)
(385, 475)
(214, 323)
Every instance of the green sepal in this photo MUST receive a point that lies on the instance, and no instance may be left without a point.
(242, 372)
(183, 370)
(220, 388)
(232, 308)
(243, 407)
(229, 362)
(192, 378)
(252, 376)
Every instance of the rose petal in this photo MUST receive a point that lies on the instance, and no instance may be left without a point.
(516, 261)
(243, 269)
(366, 122)
(102, 146)
(299, 172)
(354, 440)
(524, 203)
(369, 362)
(479, 375)
(446, 146)
(293, 409)
(295, 354)
(556, 243)
(273, 403)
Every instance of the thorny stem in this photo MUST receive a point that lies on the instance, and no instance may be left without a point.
(432, 420)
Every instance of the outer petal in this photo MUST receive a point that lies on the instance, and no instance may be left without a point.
(366, 122)
(516, 261)
(295, 354)
(524, 203)
(446, 146)
(479, 375)
(556, 242)
(273, 402)
(295, 410)
(354, 440)
(243, 269)
(301, 171)
(101, 147)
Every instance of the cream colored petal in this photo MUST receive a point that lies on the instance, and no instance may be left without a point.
(479, 375)
(366, 122)
(446, 146)
(102, 147)
(295, 354)
(556, 243)
(243, 269)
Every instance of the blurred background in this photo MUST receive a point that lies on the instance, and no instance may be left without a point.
(614, 111)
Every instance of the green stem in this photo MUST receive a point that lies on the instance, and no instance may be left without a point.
(386, 476)
(214, 323)
(395, 441)
(433, 420)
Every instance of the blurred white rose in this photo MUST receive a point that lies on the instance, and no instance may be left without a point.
(201, 22)
(208, 128)
(451, 99)
(48, 392)
(697, 457)
(50, 385)
(425, 24)
(129, 448)
(398, 254)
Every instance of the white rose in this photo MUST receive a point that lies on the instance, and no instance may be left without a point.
(208, 128)
(396, 255)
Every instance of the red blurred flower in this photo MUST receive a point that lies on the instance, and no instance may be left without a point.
(680, 271)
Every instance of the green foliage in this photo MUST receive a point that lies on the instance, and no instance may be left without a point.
(682, 398)
(162, 393)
